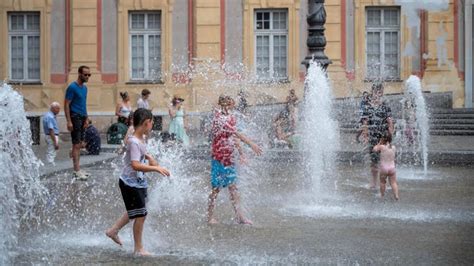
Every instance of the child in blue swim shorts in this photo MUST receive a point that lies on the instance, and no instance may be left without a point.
(224, 145)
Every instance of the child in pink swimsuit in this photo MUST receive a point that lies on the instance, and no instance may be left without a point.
(387, 164)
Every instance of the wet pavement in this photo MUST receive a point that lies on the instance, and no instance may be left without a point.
(298, 219)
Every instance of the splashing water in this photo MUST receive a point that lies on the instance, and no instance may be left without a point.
(320, 130)
(413, 88)
(20, 187)
(172, 194)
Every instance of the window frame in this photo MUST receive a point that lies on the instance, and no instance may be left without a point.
(146, 33)
(271, 33)
(24, 33)
(382, 29)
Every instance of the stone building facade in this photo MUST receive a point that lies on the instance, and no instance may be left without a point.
(198, 49)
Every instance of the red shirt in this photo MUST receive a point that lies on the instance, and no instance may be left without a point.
(223, 129)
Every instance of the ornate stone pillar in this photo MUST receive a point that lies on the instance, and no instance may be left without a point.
(316, 40)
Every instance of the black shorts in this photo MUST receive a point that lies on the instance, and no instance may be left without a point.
(77, 133)
(135, 200)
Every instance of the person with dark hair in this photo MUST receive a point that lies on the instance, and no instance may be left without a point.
(363, 107)
(133, 183)
(142, 102)
(92, 139)
(75, 110)
(178, 122)
(378, 122)
(387, 164)
(123, 108)
(292, 110)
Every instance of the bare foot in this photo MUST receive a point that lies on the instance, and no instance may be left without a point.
(244, 220)
(212, 221)
(113, 234)
(142, 252)
(397, 198)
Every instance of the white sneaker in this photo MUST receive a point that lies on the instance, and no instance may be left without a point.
(79, 176)
(85, 173)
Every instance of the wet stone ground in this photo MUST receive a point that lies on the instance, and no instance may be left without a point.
(339, 221)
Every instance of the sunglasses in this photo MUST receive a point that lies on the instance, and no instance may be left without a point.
(87, 75)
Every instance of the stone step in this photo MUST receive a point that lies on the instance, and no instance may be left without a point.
(436, 123)
(452, 116)
(453, 111)
(451, 121)
(444, 132)
(453, 126)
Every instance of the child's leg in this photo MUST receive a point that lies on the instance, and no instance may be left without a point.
(235, 199)
(211, 202)
(393, 184)
(112, 232)
(374, 169)
(137, 236)
(383, 181)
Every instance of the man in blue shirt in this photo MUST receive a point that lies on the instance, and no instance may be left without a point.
(51, 131)
(75, 109)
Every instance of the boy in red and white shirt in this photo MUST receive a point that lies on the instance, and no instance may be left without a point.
(224, 145)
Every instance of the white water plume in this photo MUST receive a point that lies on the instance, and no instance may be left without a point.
(413, 87)
(319, 128)
(20, 187)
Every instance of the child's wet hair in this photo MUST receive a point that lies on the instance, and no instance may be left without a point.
(377, 86)
(140, 116)
(225, 100)
(387, 137)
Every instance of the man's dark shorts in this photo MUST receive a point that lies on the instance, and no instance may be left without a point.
(77, 133)
(374, 156)
(374, 140)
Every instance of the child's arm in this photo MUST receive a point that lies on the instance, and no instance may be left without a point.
(390, 125)
(377, 148)
(247, 141)
(137, 166)
(135, 158)
(153, 162)
(239, 149)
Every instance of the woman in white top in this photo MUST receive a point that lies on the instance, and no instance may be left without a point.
(143, 101)
(123, 109)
